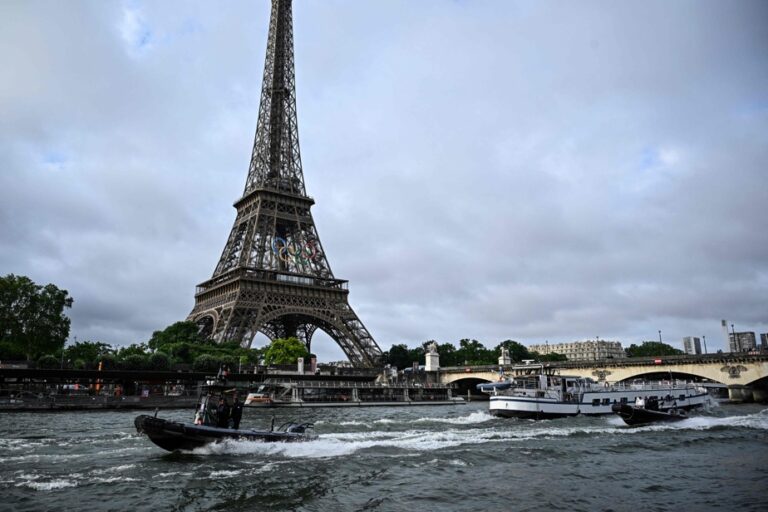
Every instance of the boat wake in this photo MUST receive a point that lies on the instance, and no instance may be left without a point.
(340, 444)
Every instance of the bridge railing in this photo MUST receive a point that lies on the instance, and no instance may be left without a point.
(724, 358)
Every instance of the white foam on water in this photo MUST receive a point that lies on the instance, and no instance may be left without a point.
(110, 479)
(173, 474)
(47, 486)
(20, 458)
(475, 417)
(345, 443)
(122, 467)
(225, 473)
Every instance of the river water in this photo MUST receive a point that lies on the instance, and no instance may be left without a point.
(392, 459)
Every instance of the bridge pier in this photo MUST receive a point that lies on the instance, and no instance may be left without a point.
(740, 393)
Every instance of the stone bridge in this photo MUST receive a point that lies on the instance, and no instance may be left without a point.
(744, 375)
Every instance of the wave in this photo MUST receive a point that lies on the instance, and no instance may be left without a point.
(346, 443)
(475, 417)
(47, 486)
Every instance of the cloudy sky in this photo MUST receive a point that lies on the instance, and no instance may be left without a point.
(484, 169)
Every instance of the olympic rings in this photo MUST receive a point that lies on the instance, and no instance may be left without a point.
(298, 252)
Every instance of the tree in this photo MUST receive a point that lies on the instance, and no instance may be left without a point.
(134, 362)
(159, 361)
(285, 351)
(448, 355)
(652, 349)
(134, 349)
(399, 356)
(473, 352)
(179, 332)
(89, 351)
(552, 356)
(517, 351)
(205, 363)
(32, 319)
(48, 362)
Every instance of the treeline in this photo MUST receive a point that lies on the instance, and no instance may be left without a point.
(33, 327)
(178, 344)
(469, 352)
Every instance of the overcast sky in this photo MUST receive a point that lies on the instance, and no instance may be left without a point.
(488, 169)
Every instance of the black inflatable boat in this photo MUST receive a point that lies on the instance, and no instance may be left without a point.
(173, 435)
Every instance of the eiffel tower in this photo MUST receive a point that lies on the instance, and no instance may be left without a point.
(273, 276)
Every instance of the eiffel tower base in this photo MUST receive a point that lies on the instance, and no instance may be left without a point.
(235, 309)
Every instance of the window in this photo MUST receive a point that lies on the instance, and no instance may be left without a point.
(596, 402)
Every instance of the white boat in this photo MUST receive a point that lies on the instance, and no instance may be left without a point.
(286, 392)
(536, 392)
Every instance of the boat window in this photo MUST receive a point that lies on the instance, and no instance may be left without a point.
(606, 401)
(623, 399)
(595, 401)
(682, 397)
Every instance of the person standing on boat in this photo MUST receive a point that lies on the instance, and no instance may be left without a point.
(222, 413)
(237, 412)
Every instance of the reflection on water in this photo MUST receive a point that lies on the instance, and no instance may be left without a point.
(436, 458)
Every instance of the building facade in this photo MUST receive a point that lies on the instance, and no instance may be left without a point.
(692, 345)
(742, 341)
(764, 341)
(583, 350)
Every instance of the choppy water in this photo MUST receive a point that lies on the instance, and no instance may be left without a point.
(422, 458)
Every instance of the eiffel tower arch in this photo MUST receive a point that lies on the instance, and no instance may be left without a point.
(273, 276)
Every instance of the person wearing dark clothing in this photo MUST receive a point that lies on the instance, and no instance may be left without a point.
(237, 413)
(222, 414)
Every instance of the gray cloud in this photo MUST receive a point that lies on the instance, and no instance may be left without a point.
(485, 169)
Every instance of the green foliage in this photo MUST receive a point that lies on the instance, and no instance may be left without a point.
(108, 362)
(180, 332)
(651, 349)
(399, 356)
(48, 362)
(159, 361)
(206, 363)
(88, 351)
(472, 352)
(140, 349)
(134, 362)
(285, 351)
(448, 354)
(32, 320)
(517, 351)
(552, 356)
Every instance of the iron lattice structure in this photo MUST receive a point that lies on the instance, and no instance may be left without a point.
(273, 276)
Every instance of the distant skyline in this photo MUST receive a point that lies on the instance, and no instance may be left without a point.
(535, 171)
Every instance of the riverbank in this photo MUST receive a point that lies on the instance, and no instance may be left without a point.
(86, 402)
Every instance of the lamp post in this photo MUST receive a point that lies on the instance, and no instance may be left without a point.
(660, 336)
(704, 337)
(737, 346)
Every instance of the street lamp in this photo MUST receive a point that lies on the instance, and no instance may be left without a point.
(737, 346)
(704, 337)
(660, 336)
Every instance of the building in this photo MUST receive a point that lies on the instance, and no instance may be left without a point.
(742, 341)
(764, 341)
(692, 345)
(726, 334)
(583, 350)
